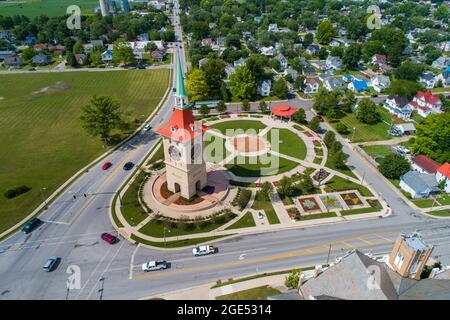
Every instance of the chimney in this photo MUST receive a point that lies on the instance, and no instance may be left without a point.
(409, 255)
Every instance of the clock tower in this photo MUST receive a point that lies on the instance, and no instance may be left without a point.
(183, 145)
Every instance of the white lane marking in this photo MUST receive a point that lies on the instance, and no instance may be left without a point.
(55, 222)
(130, 276)
(106, 269)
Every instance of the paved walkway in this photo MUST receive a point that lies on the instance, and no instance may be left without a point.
(391, 142)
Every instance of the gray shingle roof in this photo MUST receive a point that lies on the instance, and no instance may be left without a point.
(420, 182)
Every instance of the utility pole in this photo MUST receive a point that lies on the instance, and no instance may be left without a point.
(328, 257)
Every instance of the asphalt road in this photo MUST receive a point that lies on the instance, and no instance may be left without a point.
(72, 231)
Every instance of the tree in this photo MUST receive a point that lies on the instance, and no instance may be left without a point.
(224, 93)
(243, 84)
(299, 116)
(404, 88)
(367, 111)
(433, 137)
(285, 186)
(262, 106)
(338, 159)
(28, 54)
(393, 165)
(325, 31)
(245, 105)
(348, 101)
(352, 56)
(308, 39)
(314, 124)
(280, 88)
(123, 53)
(341, 128)
(299, 82)
(101, 116)
(204, 110)
(197, 85)
(370, 48)
(323, 53)
(409, 71)
(96, 58)
(214, 70)
(70, 59)
(266, 189)
(221, 106)
(306, 184)
(292, 279)
(329, 138)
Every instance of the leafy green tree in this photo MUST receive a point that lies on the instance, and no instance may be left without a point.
(243, 84)
(329, 138)
(221, 106)
(314, 124)
(266, 189)
(101, 116)
(70, 59)
(409, 71)
(352, 56)
(348, 101)
(224, 93)
(370, 48)
(367, 111)
(280, 88)
(325, 31)
(308, 39)
(299, 116)
(123, 53)
(404, 88)
(292, 279)
(245, 105)
(214, 70)
(262, 106)
(96, 58)
(204, 110)
(197, 85)
(393, 165)
(341, 128)
(285, 186)
(338, 159)
(28, 54)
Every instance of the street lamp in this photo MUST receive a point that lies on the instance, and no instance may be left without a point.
(353, 135)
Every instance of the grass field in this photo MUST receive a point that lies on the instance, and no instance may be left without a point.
(289, 143)
(359, 211)
(262, 204)
(440, 213)
(131, 209)
(245, 222)
(33, 8)
(322, 215)
(260, 166)
(340, 184)
(259, 293)
(239, 124)
(378, 152)
(41, 141)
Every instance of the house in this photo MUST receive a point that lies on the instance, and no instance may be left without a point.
(311, 85)
(345, 42)
(319, 64)
(313, 49)
(97, 43)
(405, 128)
(273, 27)
(444, 77)
(6, 54)
(441, 63)
(229, 70)
(398, 106)
(426, 103)
(292, 72)
(378, 59)
(424, 164)
(359, 276)
(347, 78)
(239, 63)
(380, 82)
(207, 42)
(334, 83)
(283, 61)
(443, 174)
(107, 56)
(29, 40)
(158, 55)
(428, 79)
(308, 70)
(12, 61)
(334, 62)
(267, 51)
(80, 58)
(41, 60)
(264, 88)
(334, 43)
(419, 185)
(358, 85)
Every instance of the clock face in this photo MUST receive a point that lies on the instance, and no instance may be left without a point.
(174, 153)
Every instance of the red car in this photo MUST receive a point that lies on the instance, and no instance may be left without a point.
(106, 165)
(109, 238)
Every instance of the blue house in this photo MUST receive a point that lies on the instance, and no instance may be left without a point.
(358, 85)
(107, 56)
(29, 40)
(347, 77)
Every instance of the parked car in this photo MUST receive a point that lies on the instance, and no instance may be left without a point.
(374, 95)
(203, 250)
(32, 69)
(154, 265)
(31, 225)
(147, 127)
(106, 165)
(50, 264)
(128, 166)
(109, 238)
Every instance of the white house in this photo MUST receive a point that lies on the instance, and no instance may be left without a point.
(407, 128)
(267, 51)
(334, 83)
(428, 79)
(443, 173)
(334, 62)
(398, 106)
(273, 27)
(312, 85)
(264, 88)
(283, 61)
(380, 82)
(426, 103)
(419, 185)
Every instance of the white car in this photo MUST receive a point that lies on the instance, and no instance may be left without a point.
(147, 127)
(154, 265)
(203, 250)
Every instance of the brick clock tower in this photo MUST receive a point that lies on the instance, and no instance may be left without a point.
(183, 145)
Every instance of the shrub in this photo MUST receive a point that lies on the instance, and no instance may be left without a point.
(11, 193)
(341, 128)
(292, 279)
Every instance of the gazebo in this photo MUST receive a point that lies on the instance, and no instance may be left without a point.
(283, 111)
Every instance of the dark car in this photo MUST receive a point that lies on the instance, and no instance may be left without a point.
(32, 69)
(174, 89)
(109, 238)
(128, 166)
(374, 95)
(107, 165)
(31, 225)
(50, 264)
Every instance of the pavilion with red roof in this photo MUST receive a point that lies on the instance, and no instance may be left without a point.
(284, 111)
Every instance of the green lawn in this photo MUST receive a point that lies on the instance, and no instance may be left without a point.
(215, 150)
(440, 213)
(259, 293)
(246, 221)
(244, 125)
(262, 204)
(319, 216)
(33, 8)
(377, 152)
(41, 132)
(364, 132)
(289, 143)
(176, 243)
(131, 209)
(156, 229)
(265, 165)
(331, 165)
(158, 155)
(340, 184)
(359, 211)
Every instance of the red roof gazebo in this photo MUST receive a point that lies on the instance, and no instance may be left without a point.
(283, 111)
